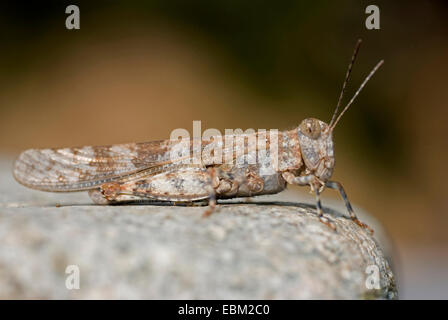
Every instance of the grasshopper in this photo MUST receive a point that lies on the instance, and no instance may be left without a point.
(147, 171)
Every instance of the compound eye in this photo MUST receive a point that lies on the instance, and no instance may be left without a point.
(310, 128)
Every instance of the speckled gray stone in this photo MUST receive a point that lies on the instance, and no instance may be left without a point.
(274, 249)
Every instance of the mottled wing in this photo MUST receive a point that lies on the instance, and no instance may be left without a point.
(83, 168)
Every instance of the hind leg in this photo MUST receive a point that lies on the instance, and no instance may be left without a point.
(97, 197)
(187, 185)
(113, 193)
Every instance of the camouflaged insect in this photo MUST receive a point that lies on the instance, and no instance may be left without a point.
(147, 171)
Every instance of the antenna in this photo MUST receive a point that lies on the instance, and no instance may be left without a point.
(347, 78)
(357, 92)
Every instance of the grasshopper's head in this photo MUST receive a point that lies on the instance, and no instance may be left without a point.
(316, 137)
(316, 144)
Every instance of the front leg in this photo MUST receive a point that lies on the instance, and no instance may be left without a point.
(338, 186)
(314, 183)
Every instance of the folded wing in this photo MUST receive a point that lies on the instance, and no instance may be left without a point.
(83, 168)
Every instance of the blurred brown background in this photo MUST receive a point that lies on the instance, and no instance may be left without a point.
(136, 70)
